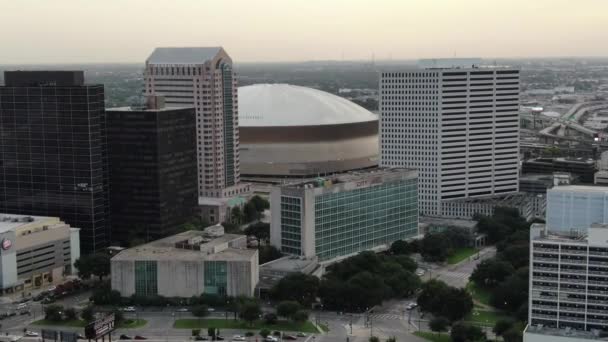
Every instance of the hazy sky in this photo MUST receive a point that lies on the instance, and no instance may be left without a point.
(72, 31)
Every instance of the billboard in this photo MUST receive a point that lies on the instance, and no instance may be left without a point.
(99, 327)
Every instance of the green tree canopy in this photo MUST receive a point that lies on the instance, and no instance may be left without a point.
(299, 287)
(93, 264)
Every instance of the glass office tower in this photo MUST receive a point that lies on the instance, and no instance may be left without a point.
(53, 159)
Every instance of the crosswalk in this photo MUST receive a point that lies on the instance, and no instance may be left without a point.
(387, 316)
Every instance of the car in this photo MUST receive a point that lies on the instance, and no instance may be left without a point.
(129, 309)
(290, 337)
(125, 337)
(270, 339)
(420, 273)
(183, 310)
(411, 306)
(51, 289)
(31, 334)
(219, 338)
(238, 338)
(201, 338)
(48, 300)
(139, 337)
(210, 309)
(25, 312)
(301, 334)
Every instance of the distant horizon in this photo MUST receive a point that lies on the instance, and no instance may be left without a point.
(236, 62)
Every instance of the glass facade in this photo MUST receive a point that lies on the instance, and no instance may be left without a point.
(291, 225)
(216, 277)
(53, 159)
(352, 221)
(146, 278)
(228, 125)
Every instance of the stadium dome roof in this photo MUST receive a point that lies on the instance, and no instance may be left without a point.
(264, 105)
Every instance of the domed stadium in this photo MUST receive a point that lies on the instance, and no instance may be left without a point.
(294, 131)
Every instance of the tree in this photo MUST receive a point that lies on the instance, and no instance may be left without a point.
(514, 334)
(435, 247)
(400, 247)
(260, 204)
(196, 332)
(268, 253)
(403, 283)
(250, 312)
(264, 333)
(513, 292)
(211, 332)
(70, 314)
(236, 215)
(87, 314)
(288, 308)
(490, 272)
(259, 230)
(299, 287)
(300, 316)
(439, 324)
(391, 339)
(94, 264)
(104, 295)
(501, 326)
(53, 313)
(231, 228)
(119, 316)
(462, 332)
(374, 339)
(442, 300)
(250, 213)
(200, 310)
(270, 318)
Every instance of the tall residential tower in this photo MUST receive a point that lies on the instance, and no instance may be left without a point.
(204, 79)
(457, 124)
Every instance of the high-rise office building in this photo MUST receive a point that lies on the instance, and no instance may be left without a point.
(204, 79)
(152, 157)
(457, 124)
(344, 214)
(53, 158)
(568, 285)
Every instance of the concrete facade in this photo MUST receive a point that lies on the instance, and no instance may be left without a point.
(35, 251)
(183, 264)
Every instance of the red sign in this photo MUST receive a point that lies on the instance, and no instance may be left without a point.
(6, 244)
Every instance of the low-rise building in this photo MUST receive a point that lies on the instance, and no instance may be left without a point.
(568, 285)
(582, 169)
(528, 205)
(187, 264)
(342, 215)
(35, 251)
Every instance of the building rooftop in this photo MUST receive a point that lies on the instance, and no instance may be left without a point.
(10, 222)
(578, 335)
(351, 176)
(189, 245)
(183, 55)
(581, 188)
(270, 105)
(596, 235)
(288, 264)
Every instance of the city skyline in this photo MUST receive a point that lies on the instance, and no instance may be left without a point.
(276, 31)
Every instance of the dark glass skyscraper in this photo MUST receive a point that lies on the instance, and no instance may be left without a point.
(53, 159)
(153, 170)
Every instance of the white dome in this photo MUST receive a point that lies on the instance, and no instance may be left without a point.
(267, 105)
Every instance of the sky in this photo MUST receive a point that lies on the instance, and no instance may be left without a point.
(110, 31)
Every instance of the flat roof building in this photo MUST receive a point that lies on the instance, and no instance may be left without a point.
(576, 207)
(187, 264)
(153, 172)
(345, 214)
(568, 285)
(35, 251)
(583, 169)
(457, 123)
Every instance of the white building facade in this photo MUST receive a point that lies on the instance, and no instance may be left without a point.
(568, 285)
(458, 126)
(574, 208)
(203, 78)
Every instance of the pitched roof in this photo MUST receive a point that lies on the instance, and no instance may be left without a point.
(183, 55)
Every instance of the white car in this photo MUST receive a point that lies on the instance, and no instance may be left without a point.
(238, 338)
(420, 273)
(31, 334)
(210, 309)
(411, 306)
(129, 309)
(271, 339)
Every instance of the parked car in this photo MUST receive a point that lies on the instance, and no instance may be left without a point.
(290, 337)
(139, 337)
(48, 300)
(80, 336)
(183, 310)
(411, 306)
(301, 334)
(219, 338)
(238, 338)
(129, 309)
(210, 309)
(125, 337)
(31, 334)
(271, 339)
